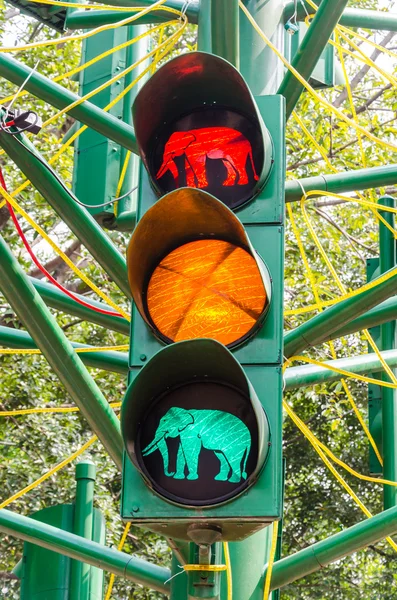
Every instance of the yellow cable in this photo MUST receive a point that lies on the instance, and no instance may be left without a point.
(52, 471)
(270, 564)
(329, 367)
(167, 45)
(91, 32)
(121, 179)
(318, 301)
(119, 548)
(89, 63)
(93, 350)
(212, 568)
(229, 577)
(109, 82)
(34, 411)
(366, 40)
(339, 478)
(310, 89)
(67, 260)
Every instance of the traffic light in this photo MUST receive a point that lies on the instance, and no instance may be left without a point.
(201, 419)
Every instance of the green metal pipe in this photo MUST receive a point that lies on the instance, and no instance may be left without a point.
(315, 557)
(308, 375)
(53, 297)
(352, 17)
(69, 544)
(310, 50)
(387, 311)
(259, 65)
(387, 260)
(192, 8)
(80, 19)
(320, 328)
(58, 96)
(82, 526)
(60, 354)
(247, 559)
(108, 361)
(75, 216)
(204, 33)
(225, 30)
(360, 179)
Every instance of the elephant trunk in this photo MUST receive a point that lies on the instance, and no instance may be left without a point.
(152, 446)
(162, 170)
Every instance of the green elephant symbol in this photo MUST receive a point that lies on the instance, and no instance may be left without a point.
(215, 430)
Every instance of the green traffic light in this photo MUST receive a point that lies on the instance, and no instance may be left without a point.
(216, 430)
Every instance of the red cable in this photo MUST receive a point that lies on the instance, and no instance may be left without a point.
(43, 269)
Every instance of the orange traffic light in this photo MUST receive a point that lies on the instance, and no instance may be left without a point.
(199, 276)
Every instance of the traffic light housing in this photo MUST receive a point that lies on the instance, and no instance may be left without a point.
(193, 405)
(177, 255)
(199, 277)
(197, 125)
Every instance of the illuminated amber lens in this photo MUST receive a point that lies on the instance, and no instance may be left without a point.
(207, 288)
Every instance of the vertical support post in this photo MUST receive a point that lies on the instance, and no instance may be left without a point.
(248, 559)
(387, 248)
(225, 30)
(125, 211)
(178, 582)
(204, 35)
(82, 525)
(260, 67)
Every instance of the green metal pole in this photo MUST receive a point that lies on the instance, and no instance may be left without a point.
(260, 67)
(55, 346)
(387, 311)
(319, 328)
(69, 544)
(58, 96)
(204, 33)
(178, 583)
(352, 17)
(310, 50)
(308, 375)
(108, 361)
(225, 30)
(360, 179)
(192, 8)
(53, 297)
(75, 216)
(82, 526)
(80, 19)
(317, 556)
(387, 260)
(247, 559)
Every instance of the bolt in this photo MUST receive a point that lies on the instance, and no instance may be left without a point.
(135, 509)
(143, 357)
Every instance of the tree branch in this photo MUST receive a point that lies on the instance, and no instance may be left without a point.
(56, 263)
(363, 71)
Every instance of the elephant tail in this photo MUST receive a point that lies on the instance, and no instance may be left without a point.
(253, 166)
(247, 451)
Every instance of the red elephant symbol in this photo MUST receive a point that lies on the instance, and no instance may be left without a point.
(228, 145)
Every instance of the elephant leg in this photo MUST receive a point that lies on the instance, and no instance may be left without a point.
(180, 464)
(235, 463)
(190, 179)
(200, 171)
(231, 172)
(225, 467)
(240, 170)
(191, 448)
